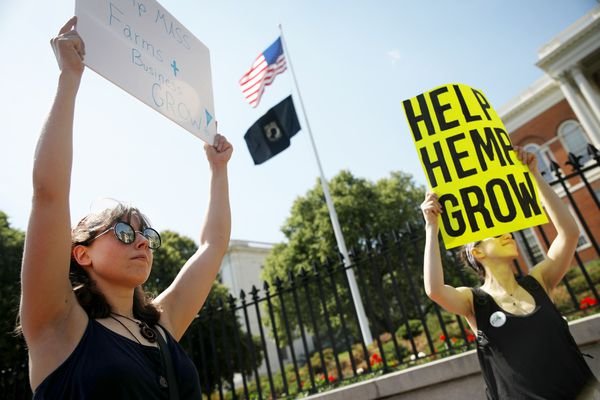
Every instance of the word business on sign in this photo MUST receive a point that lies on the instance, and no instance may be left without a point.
(143, 49)
(469, 162)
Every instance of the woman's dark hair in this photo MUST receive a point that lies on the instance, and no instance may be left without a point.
(470, 261)
(89, 297)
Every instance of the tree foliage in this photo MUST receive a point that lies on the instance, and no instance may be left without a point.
(12, 347)
(365, 210)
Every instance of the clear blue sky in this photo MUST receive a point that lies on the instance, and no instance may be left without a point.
(355, 62)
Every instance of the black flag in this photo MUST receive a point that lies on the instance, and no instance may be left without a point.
(271, 134)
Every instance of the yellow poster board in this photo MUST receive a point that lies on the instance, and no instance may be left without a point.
(468, 159)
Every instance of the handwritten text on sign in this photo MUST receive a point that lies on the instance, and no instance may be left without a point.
(143, 49)
(467, 156)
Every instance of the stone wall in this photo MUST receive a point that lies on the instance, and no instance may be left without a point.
(456, 377)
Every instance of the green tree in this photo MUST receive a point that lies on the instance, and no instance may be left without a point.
(12, 347)
(365, 210)
(210, 340)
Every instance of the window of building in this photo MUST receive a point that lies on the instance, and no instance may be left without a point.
(543, 156)
(530, 246)
(574, 139)
(583, 241)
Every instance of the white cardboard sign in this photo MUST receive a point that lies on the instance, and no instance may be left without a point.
(143, 49)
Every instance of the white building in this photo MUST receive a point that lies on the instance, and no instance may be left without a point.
(241, 270)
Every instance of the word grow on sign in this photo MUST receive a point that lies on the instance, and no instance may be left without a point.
(468, 159)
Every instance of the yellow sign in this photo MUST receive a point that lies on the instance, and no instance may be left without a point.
(467, 156)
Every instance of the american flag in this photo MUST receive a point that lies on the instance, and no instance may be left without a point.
(266, 67)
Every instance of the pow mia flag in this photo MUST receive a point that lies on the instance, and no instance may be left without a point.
(271, 134)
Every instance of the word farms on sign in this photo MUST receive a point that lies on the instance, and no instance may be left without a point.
(143, 49)
(468, 159)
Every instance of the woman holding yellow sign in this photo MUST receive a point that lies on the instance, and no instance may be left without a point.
(91, 332)
(524, 345)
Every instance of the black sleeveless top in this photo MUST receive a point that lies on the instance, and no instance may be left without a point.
(529, 356)
(106, 365)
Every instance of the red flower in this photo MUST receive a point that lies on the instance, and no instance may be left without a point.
(331, 378)
(375, 359)
(587, 302)
(442, 337)
(470, 337)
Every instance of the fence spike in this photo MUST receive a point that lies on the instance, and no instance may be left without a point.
(266, 286)
(555, 168)
(574, 161)
(593, 151)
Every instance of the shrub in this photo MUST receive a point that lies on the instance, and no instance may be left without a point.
(416, 328)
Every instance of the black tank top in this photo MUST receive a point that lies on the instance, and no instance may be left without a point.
(529, 356)
(106, 365)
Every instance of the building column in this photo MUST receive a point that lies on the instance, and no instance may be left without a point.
(588, 91)
(580, 109)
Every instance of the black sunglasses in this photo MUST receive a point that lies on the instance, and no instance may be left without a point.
(495, 237)
(126, 234)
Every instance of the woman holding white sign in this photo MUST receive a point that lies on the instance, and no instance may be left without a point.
(524, 345)
(90, 330)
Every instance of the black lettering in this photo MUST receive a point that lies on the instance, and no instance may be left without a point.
(493, 196)
(487, 145)
(457, 156)
(506, 145)
(463, 106)
(429, 165)
(525, 194)
(413, 119)
(475, 206)
(439, 109)
(483, 103)
(456, 215)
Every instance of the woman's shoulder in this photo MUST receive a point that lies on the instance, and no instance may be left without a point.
(533, 281)
(57, 347)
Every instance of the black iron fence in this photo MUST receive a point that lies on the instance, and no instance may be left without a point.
(301, 335)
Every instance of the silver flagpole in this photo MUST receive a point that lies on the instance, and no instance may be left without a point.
(339, 237)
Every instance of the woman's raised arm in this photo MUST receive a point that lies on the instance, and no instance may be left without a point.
(182, 300)
(454, 300)
(561, 250)
(46, 296)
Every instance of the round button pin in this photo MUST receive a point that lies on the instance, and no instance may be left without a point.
(497, 319)
(162, 381)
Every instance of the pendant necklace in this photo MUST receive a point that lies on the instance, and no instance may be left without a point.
(148, 333)
(514, 299)
(516, 303)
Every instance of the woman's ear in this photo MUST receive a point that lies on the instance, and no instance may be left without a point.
(477, 253)
(81, 255)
